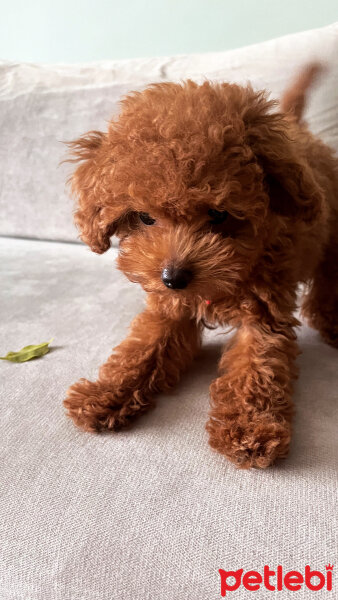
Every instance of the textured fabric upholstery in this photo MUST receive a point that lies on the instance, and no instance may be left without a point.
(42, 106)
(151, 512)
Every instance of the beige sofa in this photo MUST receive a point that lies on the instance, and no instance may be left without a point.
(150, 513)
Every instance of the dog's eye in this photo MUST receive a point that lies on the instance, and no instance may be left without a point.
(217, 216)
(146, 219)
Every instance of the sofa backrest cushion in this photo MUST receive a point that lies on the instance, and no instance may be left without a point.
(41, 106)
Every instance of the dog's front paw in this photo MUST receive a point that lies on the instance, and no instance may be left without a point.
(95, 406)
(252, 439)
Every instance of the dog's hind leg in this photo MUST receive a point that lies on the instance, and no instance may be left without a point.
(150, 360)
(320, 305)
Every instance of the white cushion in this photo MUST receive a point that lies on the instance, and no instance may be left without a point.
(150, 513)
(43, 105)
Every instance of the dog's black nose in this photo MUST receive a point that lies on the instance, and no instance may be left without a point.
(176, 279)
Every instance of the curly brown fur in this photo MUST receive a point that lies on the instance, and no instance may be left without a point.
(149, 361)
(177, 152)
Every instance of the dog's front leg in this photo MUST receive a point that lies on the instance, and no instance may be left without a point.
(150, 360)
(251, 404)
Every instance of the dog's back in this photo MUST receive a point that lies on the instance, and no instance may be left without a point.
(321, 158)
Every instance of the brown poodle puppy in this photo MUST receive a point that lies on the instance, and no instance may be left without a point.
(222, 204)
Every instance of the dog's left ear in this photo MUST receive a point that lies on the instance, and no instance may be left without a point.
(292, 190)
(289, 180)
(96, 214)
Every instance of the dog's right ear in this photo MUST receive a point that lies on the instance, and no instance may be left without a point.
(94, 216)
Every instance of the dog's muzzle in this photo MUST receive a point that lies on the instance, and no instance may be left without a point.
(176, 279)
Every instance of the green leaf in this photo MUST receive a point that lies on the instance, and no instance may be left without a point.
(28, 352)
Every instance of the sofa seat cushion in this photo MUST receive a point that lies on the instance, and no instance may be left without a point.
(150, 512)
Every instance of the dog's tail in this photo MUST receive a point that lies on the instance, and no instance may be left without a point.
(293, 100)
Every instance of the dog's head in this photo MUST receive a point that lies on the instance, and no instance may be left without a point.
(195, 181)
